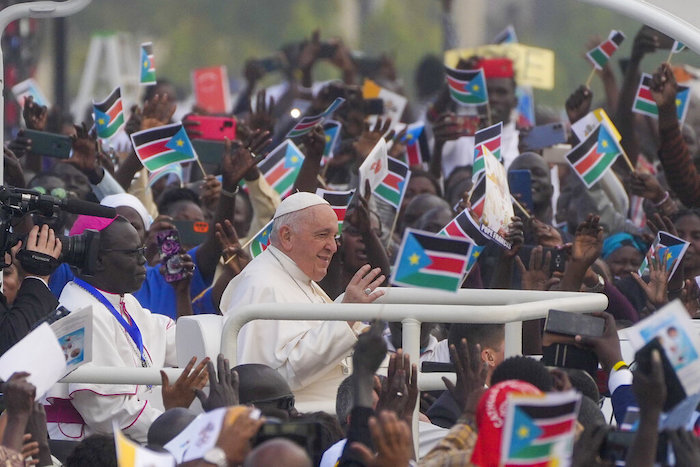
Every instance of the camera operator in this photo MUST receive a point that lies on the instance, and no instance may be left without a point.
(34, 300)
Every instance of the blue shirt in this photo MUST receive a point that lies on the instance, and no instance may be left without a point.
(155, 294)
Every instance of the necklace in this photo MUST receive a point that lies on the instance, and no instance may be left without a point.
(292, 277)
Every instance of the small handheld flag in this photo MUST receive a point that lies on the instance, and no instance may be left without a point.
(507, 36)
(331, 130)
(147, 65)
(306, 124)
(467, 87)
(261, 240)
(526, 107)
(162, 146)
(489, 137)
(644, 102)
(670, 249)
(417, 147)
(600, 55)
(174, 169)
(594, 155)
(26, 88)
(477, 197)
(464, 226)
(375, 167)
(430, 260)
(539, 430)
(677, 46)
(281, 167)
(339, 201)
(109, 114)
(392, 188)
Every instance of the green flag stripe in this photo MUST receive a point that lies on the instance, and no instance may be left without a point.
(646, 107)
(148, 76)
(466, 99)
(286, 182)
(533, 451)
(113, 128)
(388, 194)
(600, 167)
(255, 248)
(434, 281)
(599, 57)
(160, 161)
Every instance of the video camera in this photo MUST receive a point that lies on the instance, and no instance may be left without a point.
(78, 250)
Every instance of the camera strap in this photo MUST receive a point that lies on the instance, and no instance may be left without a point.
(132, 329)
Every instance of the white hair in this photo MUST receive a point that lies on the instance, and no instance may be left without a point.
(293, 220)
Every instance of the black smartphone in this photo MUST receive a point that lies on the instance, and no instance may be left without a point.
(169, 249)
(558, 261)
(674, 390)
(327, 50)
(374, 106)
(49, 144)
(520, 184)
(208, 151)
(571, 324)
(192, 233)
(543, 136)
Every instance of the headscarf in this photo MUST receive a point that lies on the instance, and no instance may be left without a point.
(125, 199)
(618, 240)
(490, 418)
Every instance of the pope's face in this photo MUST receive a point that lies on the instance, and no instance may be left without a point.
(312, 244)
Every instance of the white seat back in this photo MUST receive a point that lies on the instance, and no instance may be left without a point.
(199, 336)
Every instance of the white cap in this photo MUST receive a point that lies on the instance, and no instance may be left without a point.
(297, 202)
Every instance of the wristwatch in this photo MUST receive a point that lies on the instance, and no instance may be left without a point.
(216, 456)
(597, 288)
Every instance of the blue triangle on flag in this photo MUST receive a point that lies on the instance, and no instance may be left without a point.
(292, 157)
(101, 119)
(524, 432)
(181, 143)
(413, 258)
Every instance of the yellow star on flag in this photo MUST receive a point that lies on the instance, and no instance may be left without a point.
(475, 87)
(145, 63)
(605, 143)
(328, 138)
(295, 158)
(523, 432)
(264, 234)
(476, 254)
(414, 258)
(101, 121)
(678, 102)
(180, 142)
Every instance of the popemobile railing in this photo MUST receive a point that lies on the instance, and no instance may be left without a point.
(409, 306)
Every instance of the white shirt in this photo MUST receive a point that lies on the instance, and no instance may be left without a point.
(435, 351)
(99, 404)
(309, 354)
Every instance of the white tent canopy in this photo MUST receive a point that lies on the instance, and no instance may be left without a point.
(679, 19)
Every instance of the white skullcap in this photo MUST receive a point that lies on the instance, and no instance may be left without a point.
(297, 202)
(125, 199)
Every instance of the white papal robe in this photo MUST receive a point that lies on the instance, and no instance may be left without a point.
(99, 404)
(311, 355)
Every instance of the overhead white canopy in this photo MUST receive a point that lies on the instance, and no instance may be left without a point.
(679, 19)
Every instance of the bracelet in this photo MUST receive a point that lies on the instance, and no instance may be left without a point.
(665, 198)
(619, 365)
(230, 194)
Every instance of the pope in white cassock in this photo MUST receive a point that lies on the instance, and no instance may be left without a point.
(124, 335)
(309, 354)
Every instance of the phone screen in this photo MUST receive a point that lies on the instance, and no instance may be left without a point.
(169, 248)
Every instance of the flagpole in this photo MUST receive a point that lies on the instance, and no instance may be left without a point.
(590, 78)
(245, 245)
(201, 167)
(670, 55)
(393, 227)
(627, 159)
(521, 207)
(488, 112)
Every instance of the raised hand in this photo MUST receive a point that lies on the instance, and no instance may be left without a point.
(392, 440)
(588, 241)
(399, 392)
(241, 157)
(537, 276)
(314, 143)
(579, 104)
(182, 392)
(157, 112)
(664, 88)
(235, 438)
(35, 115)
(650, 388)
(223, 386)
(398, 149)
(210, 192)
(546, 235)
(646, 186)
(371, 136)
(363, 285)
(235, 257)
(447, 128)
(471, 376)
(262, 117)
(85, 150)
(606, 347)
(515, 235)
(657, 288)
(646, 41)
(686, 446)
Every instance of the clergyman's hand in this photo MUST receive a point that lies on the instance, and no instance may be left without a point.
(363, 286)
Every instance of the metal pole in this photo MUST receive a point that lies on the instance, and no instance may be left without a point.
(60, 43)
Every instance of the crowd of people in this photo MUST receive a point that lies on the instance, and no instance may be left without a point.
(572, 238)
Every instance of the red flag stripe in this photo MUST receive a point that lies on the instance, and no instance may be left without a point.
(303, 126)
(115, 110)
(453, 230)
(645, 93)
(556, 429)
(276, 172)
(153, 148)
(608, 47)
(457, 84)
(392, 180)
(478, 208)
(340, 212)
(587, 161)
(413, 155)
(445, 264)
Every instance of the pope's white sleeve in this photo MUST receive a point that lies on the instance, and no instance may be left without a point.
(134, 416)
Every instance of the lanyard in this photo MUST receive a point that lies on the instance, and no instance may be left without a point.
(132, 329)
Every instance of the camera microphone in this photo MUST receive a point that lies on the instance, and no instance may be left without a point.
(32, 200)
